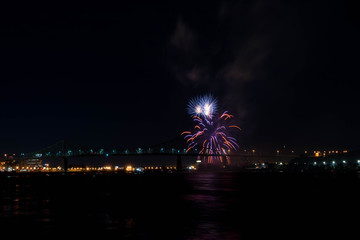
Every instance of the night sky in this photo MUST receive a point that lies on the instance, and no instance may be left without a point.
(121, 75)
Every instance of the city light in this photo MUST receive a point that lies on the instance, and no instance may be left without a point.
(191, 168)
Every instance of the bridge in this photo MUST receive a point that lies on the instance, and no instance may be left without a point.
(65, 148)
(175, 149)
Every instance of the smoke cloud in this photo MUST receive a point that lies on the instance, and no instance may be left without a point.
(225, 52)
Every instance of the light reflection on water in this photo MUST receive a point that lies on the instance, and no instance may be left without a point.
(133, 208)
(172, 206)
(211, 206)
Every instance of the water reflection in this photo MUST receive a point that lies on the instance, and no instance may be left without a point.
(210, 203)
(191, 207)
(174, 206)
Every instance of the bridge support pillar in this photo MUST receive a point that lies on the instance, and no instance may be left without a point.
(178, 163)
(65, 164)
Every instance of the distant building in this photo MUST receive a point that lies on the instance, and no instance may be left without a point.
(7, 165)
(33, 163)
(341, 161)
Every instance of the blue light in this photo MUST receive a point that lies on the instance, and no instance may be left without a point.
(107, 155)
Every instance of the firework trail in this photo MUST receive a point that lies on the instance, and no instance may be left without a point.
(213, 133)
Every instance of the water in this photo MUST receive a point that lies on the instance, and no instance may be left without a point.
(222, 205)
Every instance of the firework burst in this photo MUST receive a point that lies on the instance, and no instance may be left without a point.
(205, 106)
(213, 133)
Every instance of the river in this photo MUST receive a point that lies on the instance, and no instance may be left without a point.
(202, 205)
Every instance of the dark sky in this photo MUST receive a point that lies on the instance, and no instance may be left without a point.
(121, 75)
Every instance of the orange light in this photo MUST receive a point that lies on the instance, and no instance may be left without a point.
(234, 126)
(186, 132)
